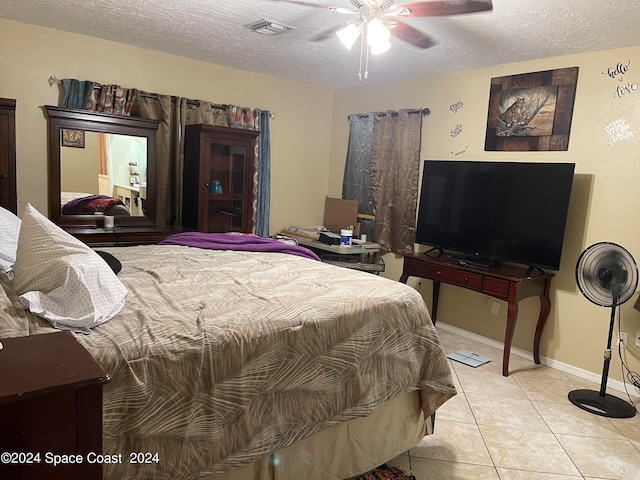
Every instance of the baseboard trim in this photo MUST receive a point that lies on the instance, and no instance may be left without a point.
(549, 362)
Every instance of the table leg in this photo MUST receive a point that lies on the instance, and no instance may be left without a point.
(512, 315)
(545, 307)
(434, 300)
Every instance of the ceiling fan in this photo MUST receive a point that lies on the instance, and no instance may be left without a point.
(376, 20)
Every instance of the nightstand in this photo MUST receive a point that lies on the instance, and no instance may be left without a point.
(50, 404)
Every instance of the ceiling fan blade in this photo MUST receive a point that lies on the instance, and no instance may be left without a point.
(440, 8)
(323, 6)
(410, 35)
(330, 32)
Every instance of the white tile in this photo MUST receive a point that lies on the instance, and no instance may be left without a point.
(453, 441)
(506, 412)
(569, 419)
(456, 409)
(512, 474)
(523, 449)
(490, 384)
(603, 458)
(428, 469)
(522, 427)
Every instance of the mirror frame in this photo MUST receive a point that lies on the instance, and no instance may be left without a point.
(66, 118)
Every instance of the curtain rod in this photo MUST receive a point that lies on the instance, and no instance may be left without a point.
(424, 111)
(194, 102)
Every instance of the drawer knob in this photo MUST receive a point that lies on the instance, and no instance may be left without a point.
(438, 273)
(466, 279)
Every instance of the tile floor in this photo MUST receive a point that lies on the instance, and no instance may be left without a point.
(522, 427)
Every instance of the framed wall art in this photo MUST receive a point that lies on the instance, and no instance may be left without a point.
(531, 111)
(72, 138)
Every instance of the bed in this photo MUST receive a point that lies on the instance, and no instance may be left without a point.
(255, 364)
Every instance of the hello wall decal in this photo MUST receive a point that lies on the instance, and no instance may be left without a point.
(617, 72)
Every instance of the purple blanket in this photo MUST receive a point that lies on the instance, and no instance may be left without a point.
(247, 243)
(89, 205)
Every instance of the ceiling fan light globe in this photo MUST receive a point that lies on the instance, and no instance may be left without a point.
(377, 32)
(380, 47)
(348, 35)
(378, 37)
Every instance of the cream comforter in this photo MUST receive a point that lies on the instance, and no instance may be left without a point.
(222, 357)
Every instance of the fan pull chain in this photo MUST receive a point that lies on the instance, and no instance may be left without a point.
(362, 47)
(366, 64)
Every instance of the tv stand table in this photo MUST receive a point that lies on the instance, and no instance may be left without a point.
(505, 282)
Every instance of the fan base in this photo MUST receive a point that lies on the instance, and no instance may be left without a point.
(605, 406)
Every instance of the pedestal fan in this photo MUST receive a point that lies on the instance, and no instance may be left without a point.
(607, 275)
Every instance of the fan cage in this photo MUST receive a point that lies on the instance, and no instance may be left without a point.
(601, 268)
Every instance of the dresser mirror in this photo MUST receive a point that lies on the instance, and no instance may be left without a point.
(101, 164)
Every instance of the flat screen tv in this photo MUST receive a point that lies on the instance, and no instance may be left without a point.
(492, 212)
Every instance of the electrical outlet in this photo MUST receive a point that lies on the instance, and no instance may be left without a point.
(623, 338)
(495, 307)
(637, 339)
(486, 302)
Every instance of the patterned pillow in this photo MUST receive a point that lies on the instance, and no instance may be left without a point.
(9, 229)
(61, 279)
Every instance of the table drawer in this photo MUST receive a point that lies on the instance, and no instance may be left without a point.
(414, 268)
(455, 277)
(496, 287)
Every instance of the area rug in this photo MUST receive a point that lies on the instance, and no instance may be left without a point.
(385, 472)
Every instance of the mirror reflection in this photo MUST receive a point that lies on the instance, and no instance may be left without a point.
(102, 172)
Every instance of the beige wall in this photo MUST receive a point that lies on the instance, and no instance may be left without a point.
(309, 137)
(300, 134)
(81, 174)
(605, 198)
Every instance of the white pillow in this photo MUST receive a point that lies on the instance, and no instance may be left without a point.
(9, 230)
(62, 280)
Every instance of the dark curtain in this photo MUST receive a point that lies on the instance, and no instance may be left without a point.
(164, 109)
(76, 93)
(263, 200)
(250, 118)
(395, 163)
(87, 95)
(381, 172)
(356, 183)
(244, 117)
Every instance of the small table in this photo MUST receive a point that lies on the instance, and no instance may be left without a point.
(50, 404)
(505, 282)
(355, 257)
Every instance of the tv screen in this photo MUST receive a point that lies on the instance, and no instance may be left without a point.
(496, 211)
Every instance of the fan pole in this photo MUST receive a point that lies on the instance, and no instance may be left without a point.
(601, 403)
(607, 353)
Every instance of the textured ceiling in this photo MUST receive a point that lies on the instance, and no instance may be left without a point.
(213, 31)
